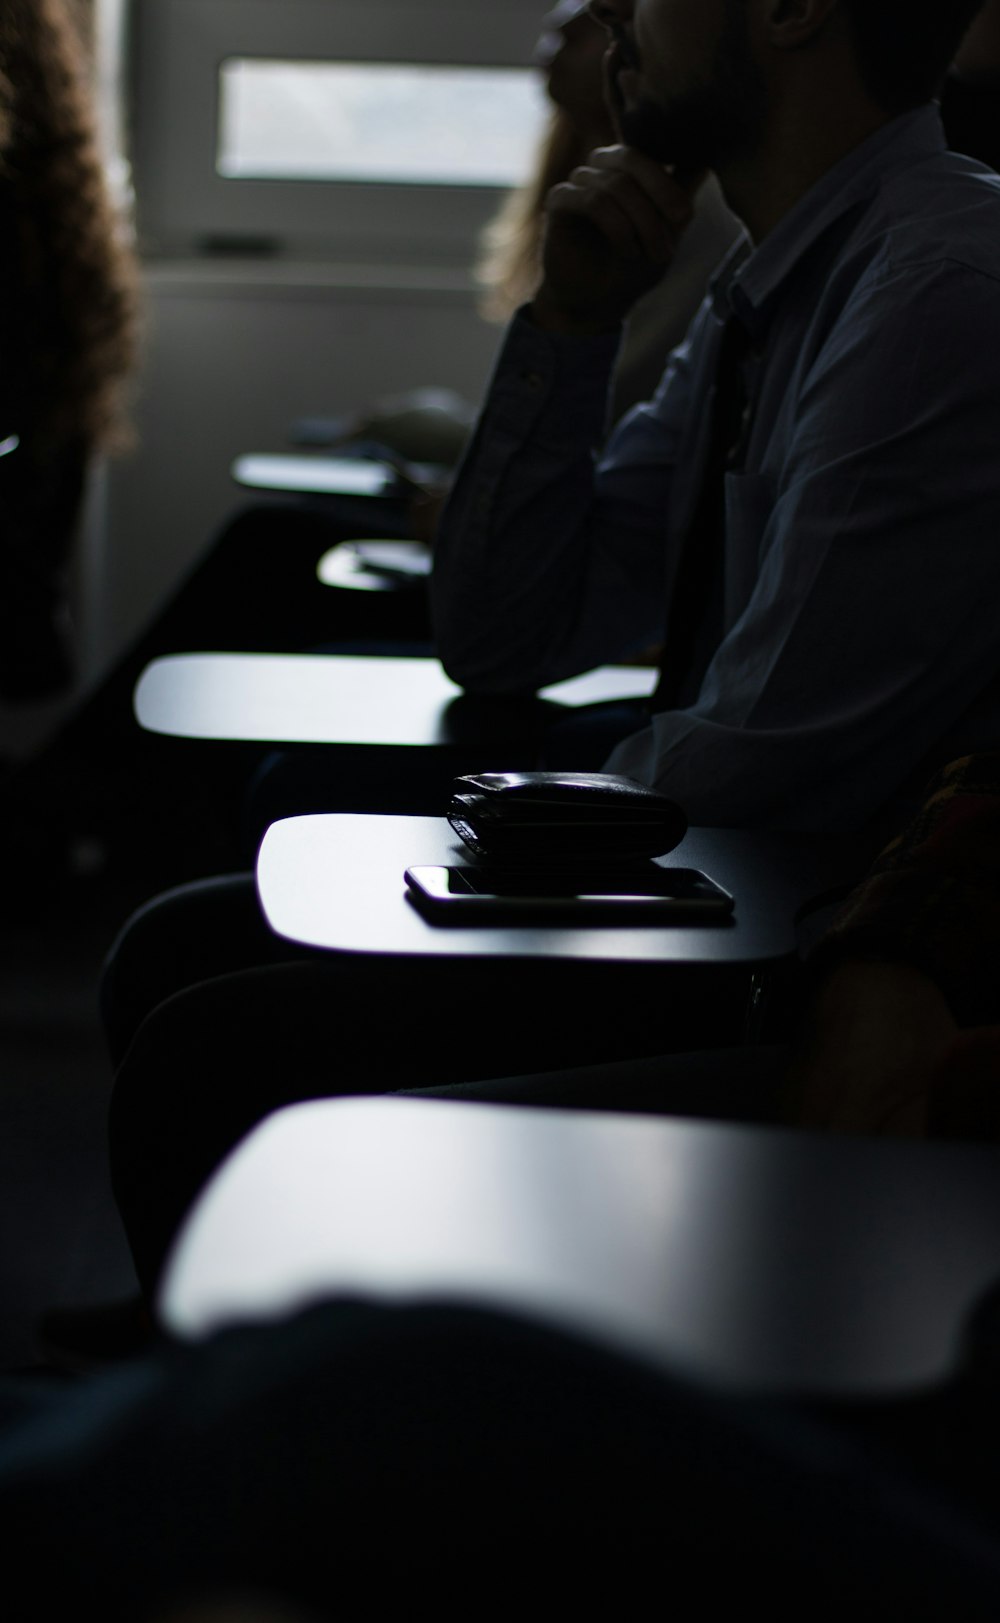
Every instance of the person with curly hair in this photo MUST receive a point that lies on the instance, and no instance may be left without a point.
(68, 331)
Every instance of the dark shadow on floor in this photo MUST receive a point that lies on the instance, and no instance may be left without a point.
(60, 1240)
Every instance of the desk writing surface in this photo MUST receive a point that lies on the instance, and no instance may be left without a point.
(336, 881)
(316, 475)
(375, 566)
(330, 698)
(755, 1257)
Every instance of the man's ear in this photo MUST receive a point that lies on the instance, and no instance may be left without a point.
(793, 23)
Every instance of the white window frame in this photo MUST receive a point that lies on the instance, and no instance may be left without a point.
(175, 49)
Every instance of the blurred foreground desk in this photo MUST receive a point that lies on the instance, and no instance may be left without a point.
(762, 1259)
(346, 699)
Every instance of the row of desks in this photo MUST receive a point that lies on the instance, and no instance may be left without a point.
(767, 1259)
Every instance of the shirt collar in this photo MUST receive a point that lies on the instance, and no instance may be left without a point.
(749, 278)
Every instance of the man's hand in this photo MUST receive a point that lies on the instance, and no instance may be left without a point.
(611, 232)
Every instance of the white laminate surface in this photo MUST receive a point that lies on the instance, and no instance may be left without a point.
(329, 698)
(757, 1258)
(336, 881)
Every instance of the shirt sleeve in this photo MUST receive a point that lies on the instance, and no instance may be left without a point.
(871, 625)
(550, 555)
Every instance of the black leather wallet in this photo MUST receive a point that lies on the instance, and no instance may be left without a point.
(533, 817)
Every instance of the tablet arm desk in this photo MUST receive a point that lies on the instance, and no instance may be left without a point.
(760, 1259)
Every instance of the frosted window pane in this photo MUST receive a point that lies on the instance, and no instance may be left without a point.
(378, 122)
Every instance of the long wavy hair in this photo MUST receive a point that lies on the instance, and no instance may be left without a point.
(69, 322)
(509, 266)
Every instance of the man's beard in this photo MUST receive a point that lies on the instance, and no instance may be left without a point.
(703, 127)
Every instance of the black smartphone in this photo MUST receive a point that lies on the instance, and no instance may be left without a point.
(652, 895)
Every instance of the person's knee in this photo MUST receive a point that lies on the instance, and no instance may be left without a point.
(180, 938)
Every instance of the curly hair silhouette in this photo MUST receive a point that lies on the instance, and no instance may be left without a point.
(68, 329)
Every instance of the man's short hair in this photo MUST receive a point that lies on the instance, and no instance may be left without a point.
(905, 47)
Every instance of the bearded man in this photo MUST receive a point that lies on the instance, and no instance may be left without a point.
(806, 516)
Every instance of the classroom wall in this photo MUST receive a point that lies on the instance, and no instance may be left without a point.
(233, 355)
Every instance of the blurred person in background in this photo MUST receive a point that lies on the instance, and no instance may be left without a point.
(571, 55)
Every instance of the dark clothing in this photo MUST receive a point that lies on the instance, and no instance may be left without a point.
(854, 649)
(41, 501)
(365, 1455)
